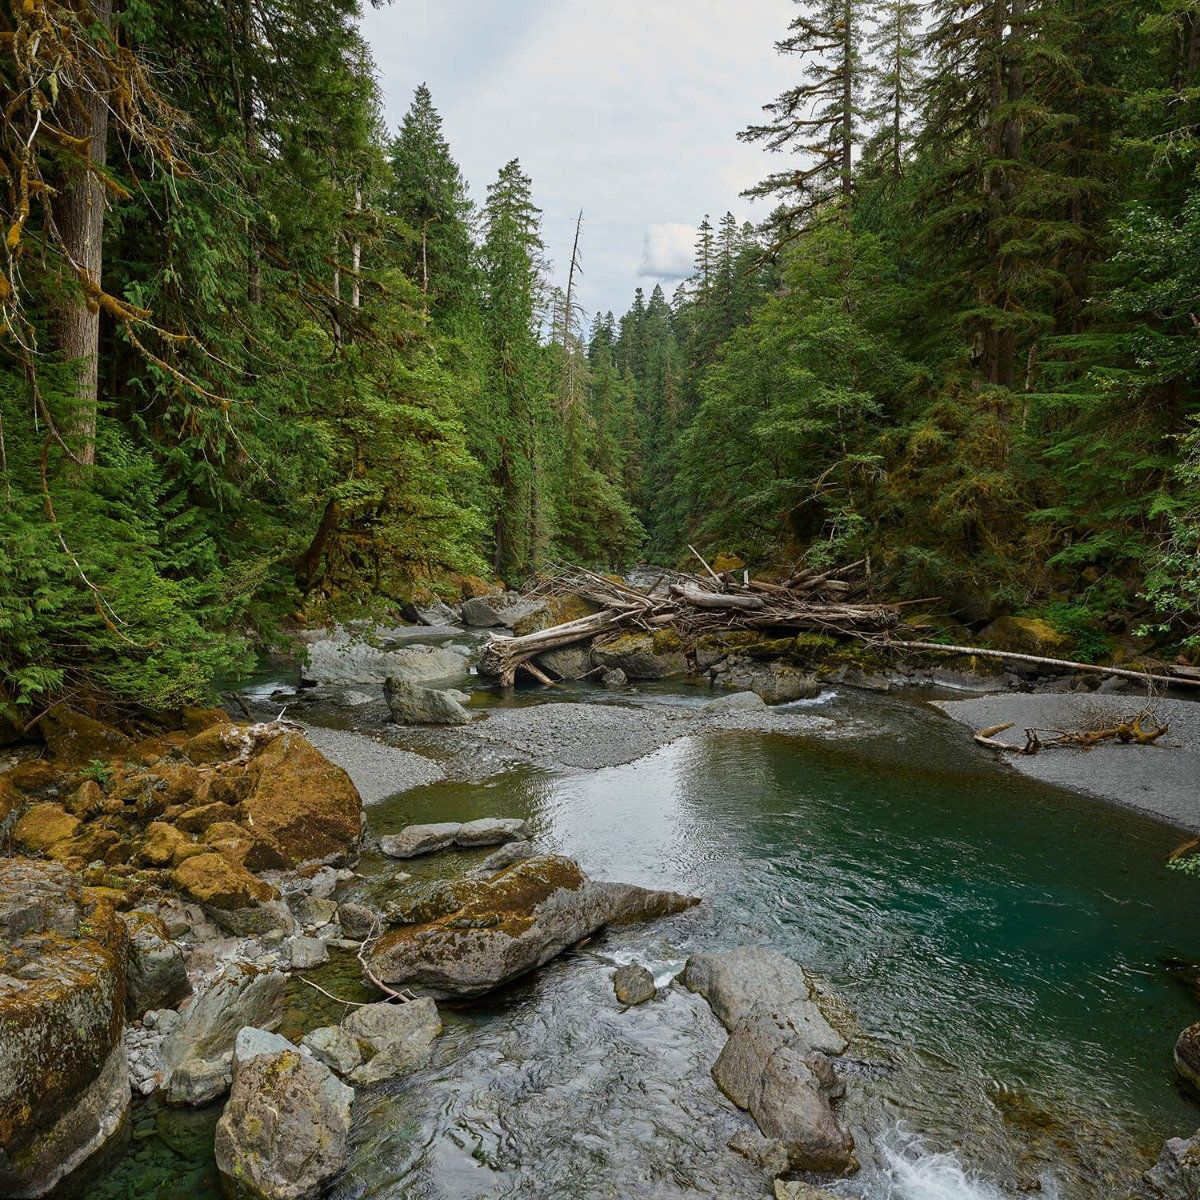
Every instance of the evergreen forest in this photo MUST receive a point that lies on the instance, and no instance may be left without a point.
(266, 361)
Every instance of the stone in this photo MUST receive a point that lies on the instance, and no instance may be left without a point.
(1187, 1055)
(285, 1129)
(506, 856)
(642, 655)
(64, 1077)
(42, 826)
(411, 704)
(797, 1189)
(197, 820)
(315, 911)
(216, 883)
(775, 1064)
(475, 934)
(778, 683)
(335, 1047)
(210, 1020)
(1028, 635)
(400, 1036)
(357, 920)
(567, 662)
(156, 975)
(737, 702)
(165, 845)
(199, 1081)
(305, 953)
(414, 840)
(768, 1153)
(301, 803)
(633, 984)
(342, 661)
(74, 738)
(1176, 1175)
(614, 677)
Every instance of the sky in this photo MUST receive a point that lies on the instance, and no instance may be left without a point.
(628, 109)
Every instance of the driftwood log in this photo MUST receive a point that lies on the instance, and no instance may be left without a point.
(831, 601)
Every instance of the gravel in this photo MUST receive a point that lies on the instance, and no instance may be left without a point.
(375, 768)
(1163, 779)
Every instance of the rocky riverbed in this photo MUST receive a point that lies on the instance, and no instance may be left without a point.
(213, 908)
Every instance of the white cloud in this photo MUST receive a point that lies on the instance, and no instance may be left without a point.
(668, 250)
(627, 109)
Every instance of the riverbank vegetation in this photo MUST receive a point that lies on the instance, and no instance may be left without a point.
(263, 356)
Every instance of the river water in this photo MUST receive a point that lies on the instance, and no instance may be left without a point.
(1014, 958)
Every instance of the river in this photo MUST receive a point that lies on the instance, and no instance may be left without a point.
(1015, 957)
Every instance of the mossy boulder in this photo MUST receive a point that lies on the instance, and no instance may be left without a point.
(1028, 635)
(302, 804)
(74, 738)
(725, 561)
(215, 882)
(643, 655)
(477, 934)
(42, 826)
(64, 1081)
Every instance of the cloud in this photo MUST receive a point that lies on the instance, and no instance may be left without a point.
(627, 109)
(668, 251)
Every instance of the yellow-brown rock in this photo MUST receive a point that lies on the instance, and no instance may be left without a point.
(471, 586)
(64, 1081)
(299, 801)
(220, 831)
(212, 879)
(1028, 635)
(727, 562)
(12, 803)
(42, 826)
(197, 820)
(88, 800)
(163, 843)
(197, 720)
(36, 777)
(73, 738)
(211, 745)
(93, 844)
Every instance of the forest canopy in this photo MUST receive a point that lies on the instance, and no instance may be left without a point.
(266, 361)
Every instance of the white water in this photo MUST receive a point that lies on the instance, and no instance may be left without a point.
(912, 1171)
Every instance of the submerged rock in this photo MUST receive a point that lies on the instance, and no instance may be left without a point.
(411, 704)
(399, 1036)
(1187, 1055)
(776, 1062)
(415, 840)
(477, 934)
(285, 1130)
(64, 1078)
(633, 984)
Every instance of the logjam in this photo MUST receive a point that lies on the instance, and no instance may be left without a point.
(831, 602)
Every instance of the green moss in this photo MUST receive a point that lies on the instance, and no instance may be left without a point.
(666, 641)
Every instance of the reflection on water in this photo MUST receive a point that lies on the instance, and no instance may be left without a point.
(1001, 944)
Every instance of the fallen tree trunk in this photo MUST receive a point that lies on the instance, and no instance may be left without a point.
(1038, 660)
(715, 600)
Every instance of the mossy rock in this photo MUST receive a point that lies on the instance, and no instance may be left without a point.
(42, 826)
(727, 562)
(1028, 635)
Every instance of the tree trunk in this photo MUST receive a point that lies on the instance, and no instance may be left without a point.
(79, 212)
(847, 165)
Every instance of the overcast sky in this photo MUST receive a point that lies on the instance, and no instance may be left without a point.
(626, 108)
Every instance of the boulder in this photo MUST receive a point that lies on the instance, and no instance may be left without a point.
(1187, 1055)
(165, 845)
(357, 920)
(414, 840)
(514, 852)
(476, 934)
(301, 803)
(341, 661)
(777, 682)
(75, 739)
(64, 1078)
(737, 702)
(335, 1047)
(567, 662)
(209, 1024)
(411, 704)
(43, 826)
(1176, 1175)
(1028, 635)
(633, 984)
(216, 883)
(304, 953)
(156, 976)
(199, 1081)
(642, 655)
(771, 1155)
(797, 1189)
(399, 1036)
(285, 1129)
(775, 1064)
(614, 678)
(504, 608)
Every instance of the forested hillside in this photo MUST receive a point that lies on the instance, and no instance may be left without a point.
(265, 359)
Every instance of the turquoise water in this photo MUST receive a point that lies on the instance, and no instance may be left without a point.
(1010, 952)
